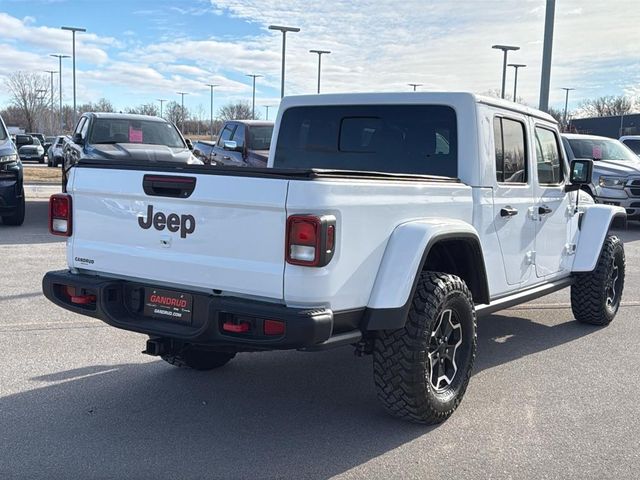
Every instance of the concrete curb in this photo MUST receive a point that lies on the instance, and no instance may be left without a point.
(41, 191)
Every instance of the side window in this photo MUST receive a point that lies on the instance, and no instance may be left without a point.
(511, 151)
(238, 136)
(81, 123)
(225, 135)
(85, 129)
(548, 157)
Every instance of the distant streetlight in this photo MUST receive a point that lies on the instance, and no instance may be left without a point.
(60, 57)
(505, 49)
(320, 53)
(566, 103)
(51, 72)
(182, 94)
(284, 31)
(267, 107)
(253, 101)
(516, 66)
(161, 100)
(212, 86)
(414, 85)
(73, 31)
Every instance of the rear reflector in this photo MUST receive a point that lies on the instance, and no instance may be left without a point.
(310, 240)
(243, 327)
(60, 214)
(273, 327)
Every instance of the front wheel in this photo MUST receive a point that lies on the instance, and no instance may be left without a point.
(190, 356)
(596, 295)
(17, 218)
(422, 371)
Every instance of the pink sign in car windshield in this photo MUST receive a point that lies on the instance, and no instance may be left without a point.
(135, 136)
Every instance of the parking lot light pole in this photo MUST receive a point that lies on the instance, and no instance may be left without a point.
(320, 53)
(212, 86)
(253, 98)
(414, 85)
(284, 31)
(516, 66)
(505, 49)
(73, 31)
(267, 108)
(566, 104)
(161, 100)
(182, 94)
(60, 57)
(51, 72)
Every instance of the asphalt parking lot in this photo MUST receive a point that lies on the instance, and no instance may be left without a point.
(550, 398)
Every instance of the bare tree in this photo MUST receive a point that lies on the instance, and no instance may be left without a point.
(606, 106)
(236, 111)
(28, 93)
(102, 105)
(144, 109)
(173, 112)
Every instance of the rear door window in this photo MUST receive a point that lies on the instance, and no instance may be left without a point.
(511, 150)
(411, 139)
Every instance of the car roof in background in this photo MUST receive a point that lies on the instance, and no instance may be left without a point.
(582, 136)
(125, 116)
(254, 123)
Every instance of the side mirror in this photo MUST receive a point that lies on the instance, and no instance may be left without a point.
(189, 144)
(581, 171)
(77, 139)
(230, 145)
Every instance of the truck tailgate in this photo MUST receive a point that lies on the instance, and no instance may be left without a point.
(227, 235)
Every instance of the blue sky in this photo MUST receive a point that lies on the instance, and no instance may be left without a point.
(136, 51)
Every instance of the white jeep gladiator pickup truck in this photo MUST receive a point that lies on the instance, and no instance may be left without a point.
(385, 221)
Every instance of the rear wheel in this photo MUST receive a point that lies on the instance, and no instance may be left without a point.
(421, 371)
(190, 356)
(596, 296)
(17, 218)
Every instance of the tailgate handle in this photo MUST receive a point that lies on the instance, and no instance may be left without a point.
(168, 186)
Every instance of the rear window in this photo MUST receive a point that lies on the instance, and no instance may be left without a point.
(414, 139)
(122, 130)
(260, 137)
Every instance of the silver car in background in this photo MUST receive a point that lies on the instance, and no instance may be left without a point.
(616, 170)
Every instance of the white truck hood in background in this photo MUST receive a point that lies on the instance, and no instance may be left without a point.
(236, 243)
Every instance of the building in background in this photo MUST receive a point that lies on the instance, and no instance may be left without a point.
(613, 127)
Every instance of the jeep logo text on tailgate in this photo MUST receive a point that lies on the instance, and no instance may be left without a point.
(172, 222)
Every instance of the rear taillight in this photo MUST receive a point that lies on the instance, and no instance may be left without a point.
(310, 240)
(60, 214)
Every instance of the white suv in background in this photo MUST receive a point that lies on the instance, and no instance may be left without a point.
(616, 170)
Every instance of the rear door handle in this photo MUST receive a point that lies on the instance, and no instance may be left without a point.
(225, 157)
(508, 211)
(544, 210)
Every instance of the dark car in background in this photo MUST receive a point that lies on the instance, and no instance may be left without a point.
(126, 137)
(56, 150)
(30, 148)
(243, 143)
(12, 202)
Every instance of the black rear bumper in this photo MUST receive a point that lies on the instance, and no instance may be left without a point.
(120, 304)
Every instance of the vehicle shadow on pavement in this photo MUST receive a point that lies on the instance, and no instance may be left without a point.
(265, 415)
(503, 338)
(35, 228)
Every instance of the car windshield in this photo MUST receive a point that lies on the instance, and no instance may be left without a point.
(634, 145)
(601, 149)
(121, 130)
(260, 137)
